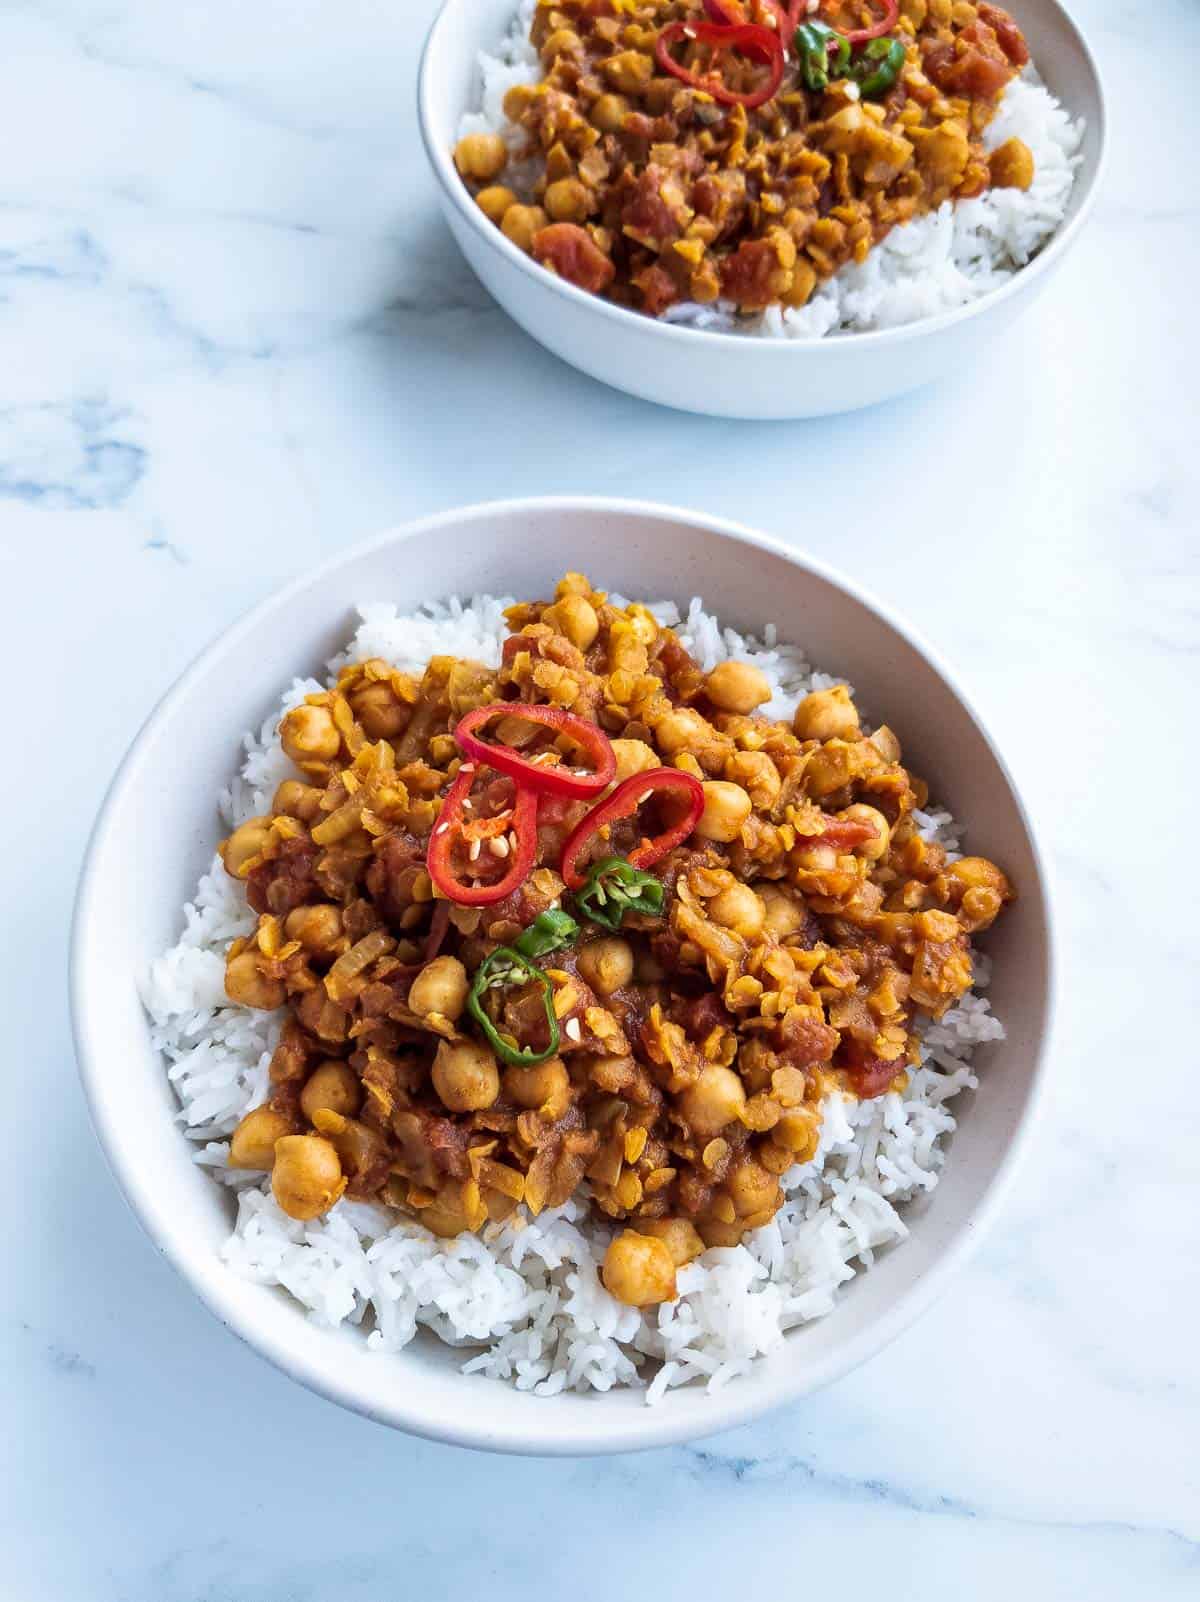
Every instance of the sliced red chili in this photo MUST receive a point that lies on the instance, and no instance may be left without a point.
(625, 802)
(454, 834)
(543, 772)
(762, 45)
(891, 11)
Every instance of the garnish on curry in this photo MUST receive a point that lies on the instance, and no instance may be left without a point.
(743, 150)
(589, 923)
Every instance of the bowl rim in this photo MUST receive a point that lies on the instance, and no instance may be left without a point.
(645, 1428)
(454, 193)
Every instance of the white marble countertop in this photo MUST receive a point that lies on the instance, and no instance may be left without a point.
(235, 336)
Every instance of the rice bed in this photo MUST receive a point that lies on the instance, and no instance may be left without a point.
(526, 1296)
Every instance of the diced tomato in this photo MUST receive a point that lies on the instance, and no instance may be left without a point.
(659, 289)
(1012, 40)
(980, 71)
(573, 254)
(872, 1076)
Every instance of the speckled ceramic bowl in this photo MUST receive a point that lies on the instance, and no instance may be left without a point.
(724, 374)
(159, 826)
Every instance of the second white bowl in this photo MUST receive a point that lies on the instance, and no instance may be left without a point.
(734, 375)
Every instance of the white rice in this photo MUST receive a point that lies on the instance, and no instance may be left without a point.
(933, 264)
(527, 1296)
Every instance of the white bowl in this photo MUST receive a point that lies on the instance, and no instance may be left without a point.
(158, 828)
(732, 375)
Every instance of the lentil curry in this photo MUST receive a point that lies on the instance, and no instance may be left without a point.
(743, 150)
(508, 982)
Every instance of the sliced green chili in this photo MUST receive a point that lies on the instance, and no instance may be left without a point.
(877, 66)
(615, 887)
(509, 969)
(824, 54)
(546, 933)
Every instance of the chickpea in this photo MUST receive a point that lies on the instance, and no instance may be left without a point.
(827, 715)
(533, 1087)
(382, 715)
(977, 873)
(252, 1144)
(798, 1132)
(318, 928)
(817, 857)
(739, 909)
(562, 42)
(494, 202)
(333, 1086)
(606, 964)
(872, 850)
(521, 223)
(481, 155)
(629, 71)
(677, 730)
(572, 584)
(518, 101)
(568, 200)
(246, 842)
(757, 775)
(639, 1270)
(716, 1232)
(295, 799)
(1011, 165)
(829, 768)
(752, 1189)
(984, 891)
(309, 735)
(465, 1076)
(783, 915)
(726, 808)
(717, 1098)
(633, 756)
(307, 1178)
(441, 987)
(609, 113)
(676, 1234)
(642, 623)
(247, 987)
(573, 615)
(737, 687)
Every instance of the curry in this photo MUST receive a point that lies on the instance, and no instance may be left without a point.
(691, 151)
(588, 924)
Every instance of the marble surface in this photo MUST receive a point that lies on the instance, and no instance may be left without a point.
(237, 335)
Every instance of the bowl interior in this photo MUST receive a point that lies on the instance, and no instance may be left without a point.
(450, 83)
(161, 811)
